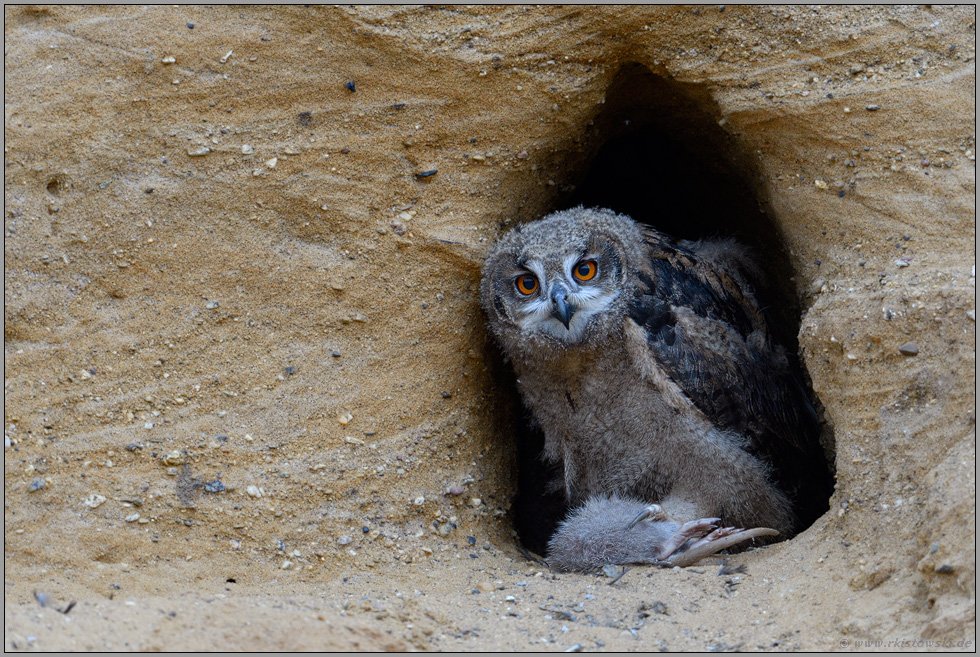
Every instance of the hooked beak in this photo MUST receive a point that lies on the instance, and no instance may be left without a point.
(561, 310)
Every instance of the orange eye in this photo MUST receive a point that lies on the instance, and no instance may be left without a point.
(585, 270)
(526, 284)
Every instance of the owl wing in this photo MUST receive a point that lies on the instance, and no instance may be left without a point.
(706, 331)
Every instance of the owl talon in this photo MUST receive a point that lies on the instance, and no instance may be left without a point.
(720, 532)
(695, 529)
(719, 539)
(654, 512)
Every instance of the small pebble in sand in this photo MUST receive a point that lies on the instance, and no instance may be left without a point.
(456, 490)
(198, 152)
(345, 540)
(873, 108)
(175, 457)
(609, 570)
(474, 502)
(247, 149)
(169, 59)
(908, 349)
(214, 486)
(94, 501)
(253, 491)
(133, 518)
(37, 485)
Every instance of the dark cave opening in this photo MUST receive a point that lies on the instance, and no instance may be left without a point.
(658, 151)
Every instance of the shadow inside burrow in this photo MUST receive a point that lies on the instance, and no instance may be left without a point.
(658, 151)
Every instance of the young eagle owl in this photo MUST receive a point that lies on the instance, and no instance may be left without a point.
(672, 417)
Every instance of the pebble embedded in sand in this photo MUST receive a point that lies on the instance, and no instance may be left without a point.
(199, 152)
(214, 486)
(908, 349)
(176, 457)
(94, 501)
(133, 518)
(253, 491)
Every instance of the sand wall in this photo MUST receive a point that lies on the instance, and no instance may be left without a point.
(242, 339)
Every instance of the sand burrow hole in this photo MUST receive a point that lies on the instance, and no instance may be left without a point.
(657, 151)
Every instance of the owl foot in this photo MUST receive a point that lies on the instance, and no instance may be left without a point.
(719, 539)
(612, 530)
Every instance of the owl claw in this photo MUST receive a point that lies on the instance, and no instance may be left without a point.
(719, 539)
(694, 529)
(654, 511)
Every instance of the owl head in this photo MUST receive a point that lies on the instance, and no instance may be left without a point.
(561, 281)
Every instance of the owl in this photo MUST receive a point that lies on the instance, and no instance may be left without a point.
(675, 424)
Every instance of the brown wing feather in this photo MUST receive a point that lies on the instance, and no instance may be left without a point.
(706, 330)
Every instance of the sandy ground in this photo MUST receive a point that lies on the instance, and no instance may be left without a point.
(245, 369)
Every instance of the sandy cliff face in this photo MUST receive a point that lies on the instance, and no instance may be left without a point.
(248, 393)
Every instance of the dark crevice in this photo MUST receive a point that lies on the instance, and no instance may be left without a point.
(658, 152)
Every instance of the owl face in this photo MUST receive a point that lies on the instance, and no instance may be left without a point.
(559, 280)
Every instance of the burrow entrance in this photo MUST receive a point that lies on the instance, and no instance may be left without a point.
(656, 151)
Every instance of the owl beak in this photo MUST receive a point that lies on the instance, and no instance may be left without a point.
(561, 310)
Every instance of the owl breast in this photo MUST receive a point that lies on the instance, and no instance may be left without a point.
(617, 425)
(603, 424)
